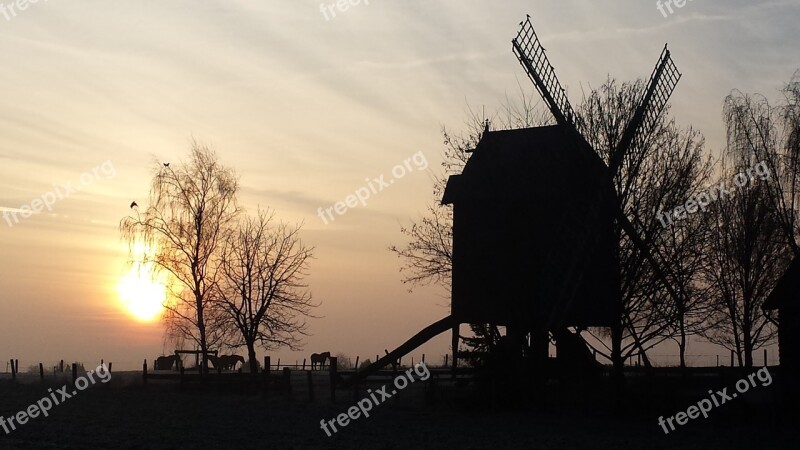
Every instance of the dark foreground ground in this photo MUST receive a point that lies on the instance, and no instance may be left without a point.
(122, 414)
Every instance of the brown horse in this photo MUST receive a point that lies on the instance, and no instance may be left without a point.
(226, 362)
(319, 358)
(166, 362)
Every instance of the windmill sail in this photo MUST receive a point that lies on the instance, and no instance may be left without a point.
(663, 80)
(533, 58)
(662, 83)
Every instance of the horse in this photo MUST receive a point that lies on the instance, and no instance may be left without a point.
(166, 362)
(230, 361)
(319, 358)
(225, 362)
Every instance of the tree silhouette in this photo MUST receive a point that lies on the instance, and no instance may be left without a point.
(263, 295)
(655, 177)
(755, 230)
(191, 207)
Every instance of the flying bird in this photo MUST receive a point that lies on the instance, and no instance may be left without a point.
(133, 205)
(166, 164)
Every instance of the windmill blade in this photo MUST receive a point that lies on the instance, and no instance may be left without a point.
(662, 83)
(531, 55)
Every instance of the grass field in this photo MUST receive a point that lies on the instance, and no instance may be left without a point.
(124, 414)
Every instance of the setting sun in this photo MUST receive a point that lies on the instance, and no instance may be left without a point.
(142, 294)
(141, 291)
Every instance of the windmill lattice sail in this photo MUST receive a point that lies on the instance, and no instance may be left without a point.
(533, 58)
(662, 83)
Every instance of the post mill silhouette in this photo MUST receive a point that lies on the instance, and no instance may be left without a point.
(534, 242)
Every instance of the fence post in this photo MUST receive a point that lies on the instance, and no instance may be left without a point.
(265, 372)
(61, 366)
(41, 371)
(310, 378)
(432, 388)
(356, 366)
(74, 372)
(394, 377)
(355, 384)
(287, 379)
(334, 366)
(144, 372)
(445, 360)
(304, 364)
(13, 370)
(109, 367)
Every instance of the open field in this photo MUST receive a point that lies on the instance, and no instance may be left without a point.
(124, 414)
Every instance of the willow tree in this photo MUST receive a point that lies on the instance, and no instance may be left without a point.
(771, 135)
(264, 297)
(756, 229)
(191, 208)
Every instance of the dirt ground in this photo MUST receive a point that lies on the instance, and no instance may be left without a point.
(123, 414)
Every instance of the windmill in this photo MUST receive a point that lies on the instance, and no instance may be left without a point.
(663, 80)
(534, 216)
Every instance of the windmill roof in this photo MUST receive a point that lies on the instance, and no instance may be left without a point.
(513, 164)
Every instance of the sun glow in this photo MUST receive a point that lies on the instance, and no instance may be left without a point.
(141, 291)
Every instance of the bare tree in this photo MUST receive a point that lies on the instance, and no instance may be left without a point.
(264, 296)
(745, 256)
(661, 173)
(756, 229)
(191, 206)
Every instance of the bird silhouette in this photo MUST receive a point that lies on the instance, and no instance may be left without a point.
(166, 164)
(133, 205)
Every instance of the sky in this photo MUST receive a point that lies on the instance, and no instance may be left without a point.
(306, 107)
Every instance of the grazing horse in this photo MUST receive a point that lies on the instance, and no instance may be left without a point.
(319, 358)
(230, 361)
(166, 362)
(226, 362)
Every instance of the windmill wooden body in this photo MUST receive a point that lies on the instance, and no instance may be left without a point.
(534, 246)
